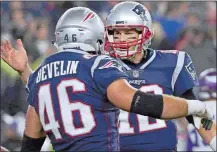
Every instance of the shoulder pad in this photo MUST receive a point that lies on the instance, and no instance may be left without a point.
(88, 56)
(169, 51)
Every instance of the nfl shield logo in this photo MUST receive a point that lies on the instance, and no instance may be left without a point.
(135, 73)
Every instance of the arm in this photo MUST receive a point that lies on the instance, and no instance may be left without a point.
(34, 136)
(207, 135)
(25, 74)
(125, 97)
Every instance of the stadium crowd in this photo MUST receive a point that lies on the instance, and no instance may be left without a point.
(186, 26)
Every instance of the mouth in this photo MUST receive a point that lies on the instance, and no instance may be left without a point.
(122, 48)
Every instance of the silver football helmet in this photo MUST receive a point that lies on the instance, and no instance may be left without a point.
(80, 27)
(128, 15)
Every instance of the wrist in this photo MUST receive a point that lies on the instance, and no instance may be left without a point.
(25, 73)
(195, 107)
(26, 70)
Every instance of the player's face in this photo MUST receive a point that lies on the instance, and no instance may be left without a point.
(126, 35)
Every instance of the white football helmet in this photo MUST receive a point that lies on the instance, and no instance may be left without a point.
(80, 27)
(128, 15)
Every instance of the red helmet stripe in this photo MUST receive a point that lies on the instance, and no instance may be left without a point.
(88, 16)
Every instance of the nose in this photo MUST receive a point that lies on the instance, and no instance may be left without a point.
(123, 37)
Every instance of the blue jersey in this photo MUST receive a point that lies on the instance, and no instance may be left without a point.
(68, 92)
(163, 72)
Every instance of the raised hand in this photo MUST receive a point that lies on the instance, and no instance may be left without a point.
(3, 149)
(17, 59)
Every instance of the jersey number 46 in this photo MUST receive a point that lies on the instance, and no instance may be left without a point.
(66, 109)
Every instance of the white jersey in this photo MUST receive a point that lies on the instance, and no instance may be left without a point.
(195, 142)
(181, 124)
(212, 106)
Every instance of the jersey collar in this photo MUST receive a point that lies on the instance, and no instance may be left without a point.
(149, 58)
(146, 61)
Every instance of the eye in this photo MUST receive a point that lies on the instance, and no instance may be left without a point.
(116, 32)
(116, 37)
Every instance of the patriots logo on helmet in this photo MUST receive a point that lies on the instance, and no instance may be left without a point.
(139, 10)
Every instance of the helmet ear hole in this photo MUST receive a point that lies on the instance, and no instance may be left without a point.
(139, 32)
(148, 34)
(111, 32)
(100, 47)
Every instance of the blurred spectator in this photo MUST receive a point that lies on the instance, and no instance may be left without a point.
(18, 24)
(211, 8)
(16, 5)
(197, 43)
(29, 40)
(42, 42)
(192, 19)
(159, 40)
(173, 21)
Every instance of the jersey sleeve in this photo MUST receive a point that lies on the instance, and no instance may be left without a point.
(187, 77)
(29, 89)
(106, 70)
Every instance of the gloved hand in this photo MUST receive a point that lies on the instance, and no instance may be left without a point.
(199, 108)
(207, 112)
(206, 123)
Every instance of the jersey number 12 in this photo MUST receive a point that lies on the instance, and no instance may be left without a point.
(144, 123)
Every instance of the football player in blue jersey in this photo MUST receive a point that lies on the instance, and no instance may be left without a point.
(207, 93)
(128, 36)
(73, 95)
